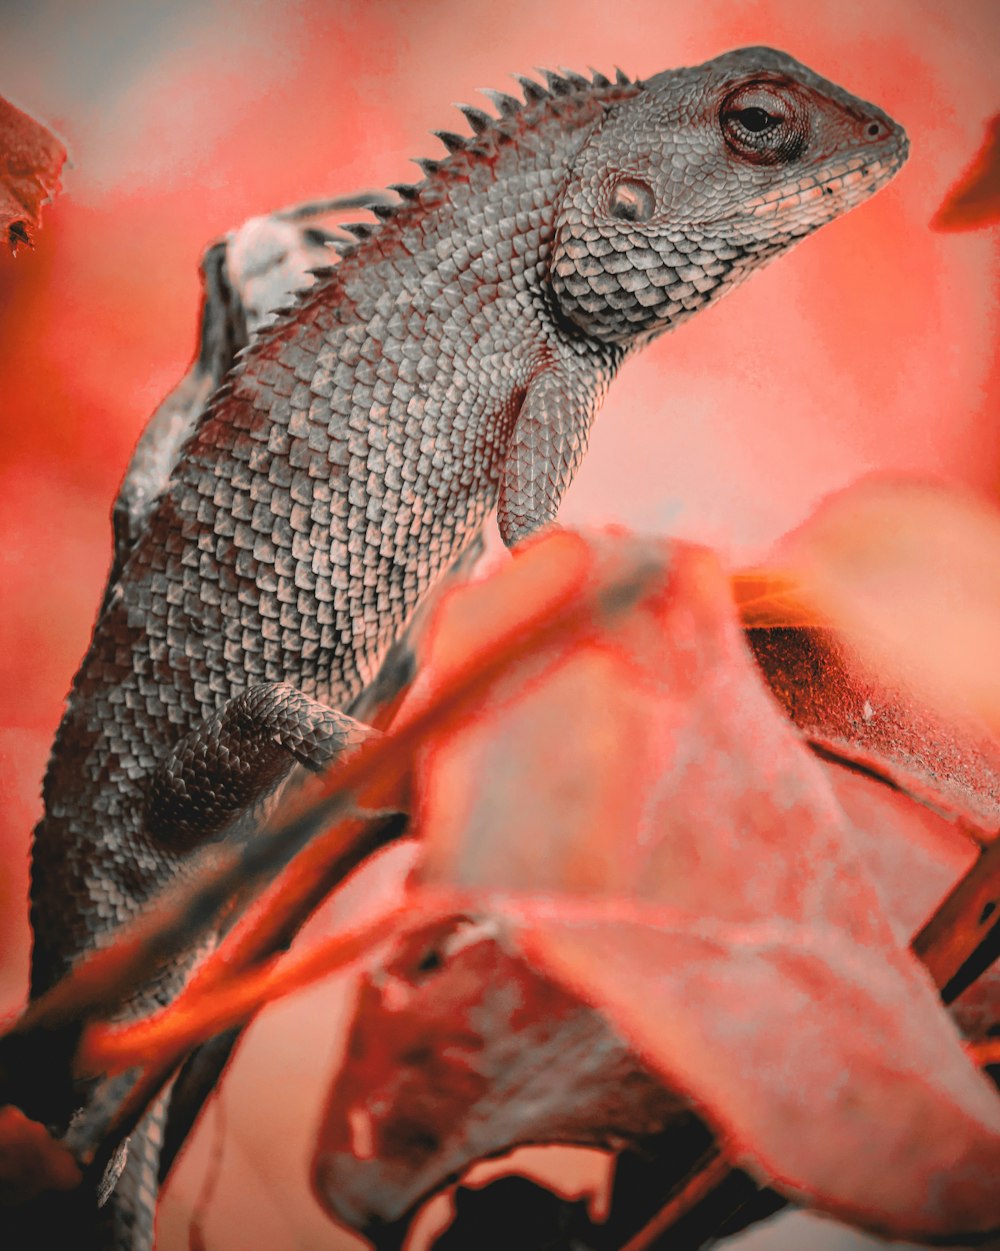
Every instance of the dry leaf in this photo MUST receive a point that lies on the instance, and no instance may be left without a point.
(30, 161)
(460, 1051)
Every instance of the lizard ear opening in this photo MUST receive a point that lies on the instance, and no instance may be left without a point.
(632, 200)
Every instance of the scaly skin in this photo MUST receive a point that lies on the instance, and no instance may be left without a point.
(450, 364)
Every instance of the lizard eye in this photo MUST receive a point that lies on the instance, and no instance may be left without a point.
(632, 200)
(755, 120)
(763, 124)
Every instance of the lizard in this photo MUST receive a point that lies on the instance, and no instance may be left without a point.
(449, 365)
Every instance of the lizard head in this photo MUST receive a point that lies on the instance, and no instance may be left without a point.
(700, 177)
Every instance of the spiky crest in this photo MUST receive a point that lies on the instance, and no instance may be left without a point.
(575, 80)
(485, 129)
(533, 92)
(453, 142)
(557, 85)
(429, 167)
(504, 104)
(483, 126)
(477, 119)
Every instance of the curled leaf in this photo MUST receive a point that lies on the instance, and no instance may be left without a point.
(31, 159)
(459, 1051)
(677, 857)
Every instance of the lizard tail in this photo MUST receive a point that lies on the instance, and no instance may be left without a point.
(129, 1216)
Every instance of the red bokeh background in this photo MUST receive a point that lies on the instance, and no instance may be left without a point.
(873, 346)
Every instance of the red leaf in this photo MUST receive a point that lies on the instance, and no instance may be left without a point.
(908, 570)
(30, 161)
(742, 947)
(974, 200)
(459, 1051)
(856, 713)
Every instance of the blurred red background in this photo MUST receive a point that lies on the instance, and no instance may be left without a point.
(873, 346)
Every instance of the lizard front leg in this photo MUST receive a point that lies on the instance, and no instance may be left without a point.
(213, 781)
(547, 444)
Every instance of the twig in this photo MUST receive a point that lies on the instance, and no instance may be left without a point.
(962, 938)
(201, 1011)
(715, 1169)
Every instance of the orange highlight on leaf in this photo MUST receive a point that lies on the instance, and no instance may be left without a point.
(772, 599)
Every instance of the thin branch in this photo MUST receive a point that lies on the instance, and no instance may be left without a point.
(962, 938)
(201, 1011)
(714, 1169)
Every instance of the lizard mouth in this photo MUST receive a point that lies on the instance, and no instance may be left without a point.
(818, 195)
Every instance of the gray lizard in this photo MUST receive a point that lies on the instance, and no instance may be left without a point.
(450, 364)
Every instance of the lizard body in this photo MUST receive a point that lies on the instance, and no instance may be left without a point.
(450, 364)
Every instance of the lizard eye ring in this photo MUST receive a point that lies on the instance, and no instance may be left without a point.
(763, 124)
(632, 200)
